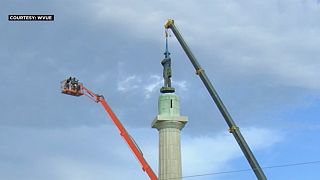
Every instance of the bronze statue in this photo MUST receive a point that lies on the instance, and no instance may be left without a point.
(166, 63)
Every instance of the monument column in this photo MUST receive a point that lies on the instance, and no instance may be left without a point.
(169, 124)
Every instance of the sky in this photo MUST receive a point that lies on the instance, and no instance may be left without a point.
(261, 56)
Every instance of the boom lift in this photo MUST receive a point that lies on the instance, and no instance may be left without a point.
(72, 87)
(233, 128)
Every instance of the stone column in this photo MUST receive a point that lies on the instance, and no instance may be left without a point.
(169, 124)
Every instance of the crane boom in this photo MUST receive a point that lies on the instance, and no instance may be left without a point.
(77, 89)
(233, 128)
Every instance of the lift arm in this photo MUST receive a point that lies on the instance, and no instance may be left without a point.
(123, 132)
(214, 95)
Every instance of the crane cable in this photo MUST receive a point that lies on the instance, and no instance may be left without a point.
(167, 53)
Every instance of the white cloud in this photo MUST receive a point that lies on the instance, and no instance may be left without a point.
(182, 85)
(211, 153)
(100, 153)
(139, 17)
(65, 154)
(128, 84)
(277, 39)
(150, 85)
(207, 154)
(154, 84)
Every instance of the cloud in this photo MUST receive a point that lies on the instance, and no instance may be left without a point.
(262, 54)
(206, 154)
(262, 57)
(149, 85)
(130, 83)
(100, 152)
(211, 153)
(154, 83)
(75, 153)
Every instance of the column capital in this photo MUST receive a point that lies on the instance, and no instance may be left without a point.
(161, 122)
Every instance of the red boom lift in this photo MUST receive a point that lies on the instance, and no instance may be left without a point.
(72, 87)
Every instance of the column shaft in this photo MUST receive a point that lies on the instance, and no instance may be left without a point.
(169, 155)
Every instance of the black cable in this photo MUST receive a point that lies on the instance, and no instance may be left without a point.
(293, 164)
(244, 170)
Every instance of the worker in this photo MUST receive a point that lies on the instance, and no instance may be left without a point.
(72, 83)
(75, 84)
(78, 87)
(67, 83)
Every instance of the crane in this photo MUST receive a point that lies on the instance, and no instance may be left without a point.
(233, 128)
(73, 87)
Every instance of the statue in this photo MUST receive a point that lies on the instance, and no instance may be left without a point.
(166, 63)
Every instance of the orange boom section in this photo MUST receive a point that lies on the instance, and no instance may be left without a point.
(73, 87)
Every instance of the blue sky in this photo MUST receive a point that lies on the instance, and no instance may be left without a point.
(262, 58)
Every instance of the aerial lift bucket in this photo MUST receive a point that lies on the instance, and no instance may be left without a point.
(73, 88)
